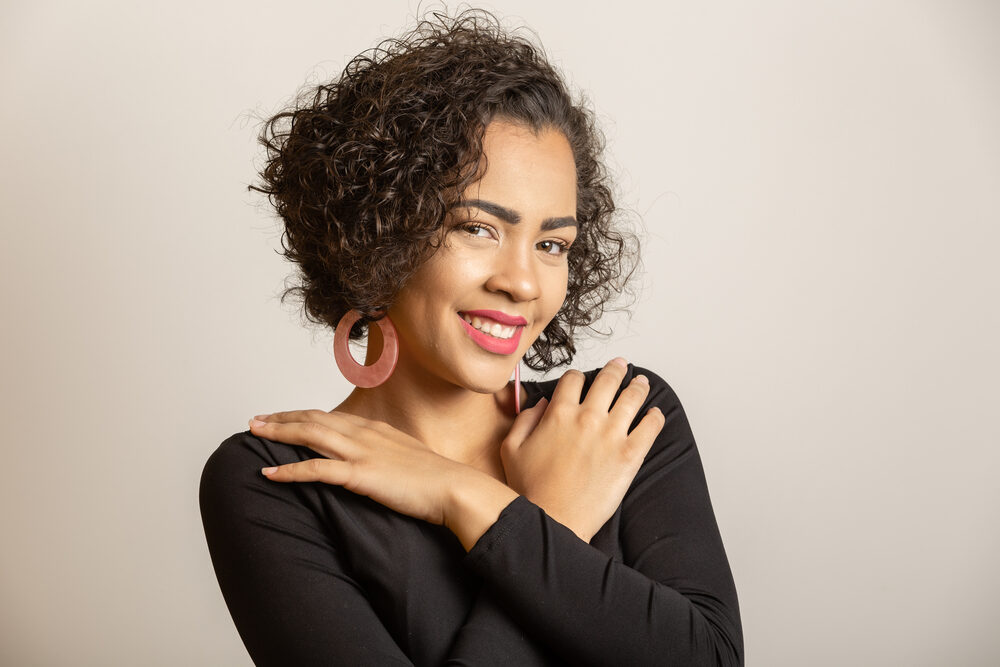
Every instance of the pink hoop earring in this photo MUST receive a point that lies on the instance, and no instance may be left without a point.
(517, 388)
(365, 377)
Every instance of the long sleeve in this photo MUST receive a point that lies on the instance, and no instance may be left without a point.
(670, 600)
(287, 589)
(491, 636)
(315, 575)
(301, 592)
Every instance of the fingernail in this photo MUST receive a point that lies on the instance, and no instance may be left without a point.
(261, 417)
(256, 422)
(620, 361)
(642, 378)
(268, 471)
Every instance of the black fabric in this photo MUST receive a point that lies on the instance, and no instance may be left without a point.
(316, 575)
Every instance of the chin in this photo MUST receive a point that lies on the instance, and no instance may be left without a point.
(486, 380)
(482, 387)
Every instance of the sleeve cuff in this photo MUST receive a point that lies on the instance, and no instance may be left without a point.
(512, 517)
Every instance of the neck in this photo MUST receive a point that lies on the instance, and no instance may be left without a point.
(454, 421)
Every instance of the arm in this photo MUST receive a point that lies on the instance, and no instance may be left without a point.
(672, 600)
(291, 595)
(670, 612)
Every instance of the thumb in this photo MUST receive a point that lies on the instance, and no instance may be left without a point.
(525, 423)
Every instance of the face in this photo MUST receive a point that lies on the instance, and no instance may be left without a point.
(503, 250)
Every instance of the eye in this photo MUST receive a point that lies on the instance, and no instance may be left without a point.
(561, 247)
(554, 247)
(476, 228)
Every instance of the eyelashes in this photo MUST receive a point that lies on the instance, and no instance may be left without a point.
(564, 247)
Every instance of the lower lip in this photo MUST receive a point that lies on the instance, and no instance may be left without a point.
(491, 343)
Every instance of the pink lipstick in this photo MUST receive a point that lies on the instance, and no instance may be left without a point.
(497, 316)
(492, 343)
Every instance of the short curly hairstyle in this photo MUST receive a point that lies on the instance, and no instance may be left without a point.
(363, 170)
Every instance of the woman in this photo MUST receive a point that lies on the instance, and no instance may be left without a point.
(446, 192)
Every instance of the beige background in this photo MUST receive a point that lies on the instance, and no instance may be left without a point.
(817, 183)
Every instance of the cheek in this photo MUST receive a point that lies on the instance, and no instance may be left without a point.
(556, 292)
(454, 266)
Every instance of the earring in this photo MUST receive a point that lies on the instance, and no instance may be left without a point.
(365, 377)
(517, 388)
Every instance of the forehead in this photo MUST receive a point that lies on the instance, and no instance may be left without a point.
(532, 173)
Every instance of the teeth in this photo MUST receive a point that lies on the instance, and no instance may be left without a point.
(490, 327)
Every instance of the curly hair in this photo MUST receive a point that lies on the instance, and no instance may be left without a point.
(363, 169)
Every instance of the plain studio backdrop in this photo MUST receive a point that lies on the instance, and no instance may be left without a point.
(816, 184)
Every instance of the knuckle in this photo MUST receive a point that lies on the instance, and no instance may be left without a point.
(635, 448)
(627, 449)
(560, 412)
(614, 369)
(637, 389)
(590, 419)
(314, 428)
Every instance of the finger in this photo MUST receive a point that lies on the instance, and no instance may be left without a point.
(629, 402)
(352, 419)
(338, 421)
(314, 470)
(524, 424)
(644, 434)
(317, 437)
(605, 385)
(295, 416)
(567, 391)
(336, 416)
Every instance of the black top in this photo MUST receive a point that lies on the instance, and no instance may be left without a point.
(316, 575)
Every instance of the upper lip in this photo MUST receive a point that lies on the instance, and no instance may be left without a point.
(496, 315)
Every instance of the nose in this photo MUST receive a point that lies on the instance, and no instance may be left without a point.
(515, 273)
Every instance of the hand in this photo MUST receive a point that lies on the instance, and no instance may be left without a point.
(576, 460)
(366, 457)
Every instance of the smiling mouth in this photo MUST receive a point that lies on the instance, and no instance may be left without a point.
(486, 340)
(491, 327)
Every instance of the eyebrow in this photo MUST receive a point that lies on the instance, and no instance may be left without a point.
(513, 217)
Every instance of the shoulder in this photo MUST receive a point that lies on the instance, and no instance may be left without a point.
(233, 494)
(675, 444)
(237, 448)
(661, 394)
(234, 466)
(245, 448)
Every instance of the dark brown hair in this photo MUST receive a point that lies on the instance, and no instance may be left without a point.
(363, 169)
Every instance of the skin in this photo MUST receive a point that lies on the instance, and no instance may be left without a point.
(439, 440)
(446, 390)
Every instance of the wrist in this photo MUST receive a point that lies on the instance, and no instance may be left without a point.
(473, 504)
(577, 524)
